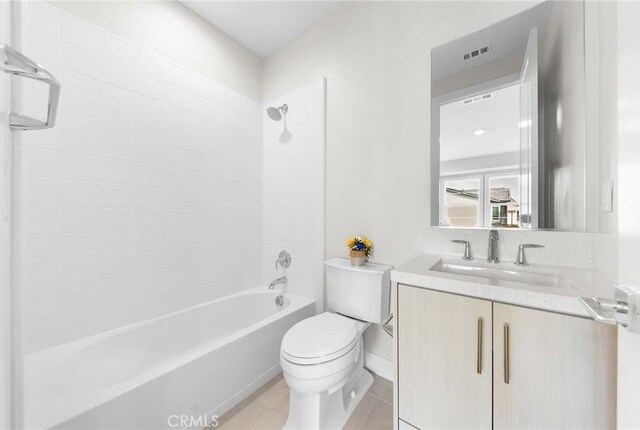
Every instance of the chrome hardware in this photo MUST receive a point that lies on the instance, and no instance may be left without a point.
(17, 64)
(624, 309)
(493, 256)
(505, 354)
(467, 248)
(281, 280)
(521, 260)
(280, 300)
(479, 358)
(284, 260)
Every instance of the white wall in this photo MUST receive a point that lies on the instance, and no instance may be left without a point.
(173, 31)
(294, 190)
(144, 199)
(5, 230)
(627, 86)
(376, 58)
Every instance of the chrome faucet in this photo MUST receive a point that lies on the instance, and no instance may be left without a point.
(280, 280)
(493, 256)
(521, 260)
(467, 248)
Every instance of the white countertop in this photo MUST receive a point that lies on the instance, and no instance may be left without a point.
(562, 298)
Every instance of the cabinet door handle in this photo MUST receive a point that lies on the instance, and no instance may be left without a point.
(479, 349)
(506, 353)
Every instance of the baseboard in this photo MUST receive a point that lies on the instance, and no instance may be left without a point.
(379, 365)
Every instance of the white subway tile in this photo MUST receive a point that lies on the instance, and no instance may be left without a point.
(116, 123)
(80, 140)
(115, 195)
(80, 60)
(41, 249)
(78, 166)
(43, 17)
(41, 278)
(42, 336)
(83, 299)
(114, 146)
(48, 139)
(80, 193)
(147, 152)
(116, 49)
(81, 87)
(147, 85)
(116, 98)
(79, 33)
(147, 63)
(42, 47)
(147, 130)
(79, 273)
(81, 246)
(79, 113)
(147, 108)
(41, 220)
(84, 324)
(42, 162)
(116, 74)
(42, 307)
(118, 171)
(43, 192)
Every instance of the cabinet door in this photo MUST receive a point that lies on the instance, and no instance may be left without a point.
(444, 360)
(559, 372)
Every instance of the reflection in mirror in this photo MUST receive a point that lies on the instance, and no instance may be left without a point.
(507, 123)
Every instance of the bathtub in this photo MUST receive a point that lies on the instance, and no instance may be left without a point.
(175, 371)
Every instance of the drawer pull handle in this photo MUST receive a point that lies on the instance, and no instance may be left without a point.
(479, 358)
(506, 354)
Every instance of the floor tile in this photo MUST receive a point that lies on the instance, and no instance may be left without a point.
(268, 408)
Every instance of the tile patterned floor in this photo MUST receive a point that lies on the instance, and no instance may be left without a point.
(267, 408)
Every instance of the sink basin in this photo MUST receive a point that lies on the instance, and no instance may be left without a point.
(502, 272)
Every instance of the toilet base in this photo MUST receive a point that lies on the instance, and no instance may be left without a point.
(328, 410)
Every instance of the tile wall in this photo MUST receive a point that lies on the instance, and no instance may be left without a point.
(144, 199)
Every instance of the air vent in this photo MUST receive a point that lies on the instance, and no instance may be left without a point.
(477, 52)
(477, 99)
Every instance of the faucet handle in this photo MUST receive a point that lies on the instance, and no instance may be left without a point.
(521, 260)
(284, 260)
(467, 248)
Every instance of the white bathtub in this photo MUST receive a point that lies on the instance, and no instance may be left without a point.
(195, 362)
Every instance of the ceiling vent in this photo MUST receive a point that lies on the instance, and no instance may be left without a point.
(477, 52)
(477, 99)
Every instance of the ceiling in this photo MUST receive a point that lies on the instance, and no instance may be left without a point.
(498, 116)
(506, 38)
(262, 26)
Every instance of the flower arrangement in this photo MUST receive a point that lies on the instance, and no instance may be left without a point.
(360, 249)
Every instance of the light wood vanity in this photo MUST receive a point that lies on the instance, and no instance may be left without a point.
(476, 363)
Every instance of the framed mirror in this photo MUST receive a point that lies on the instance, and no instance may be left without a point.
(508, 123)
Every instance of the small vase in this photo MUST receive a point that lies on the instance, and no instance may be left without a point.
(358, 258)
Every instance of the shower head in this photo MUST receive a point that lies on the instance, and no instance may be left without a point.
(278, 113)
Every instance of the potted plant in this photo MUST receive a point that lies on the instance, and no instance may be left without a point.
(360, 249)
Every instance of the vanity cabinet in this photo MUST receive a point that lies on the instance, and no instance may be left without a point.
(474, 364)
(444, 359)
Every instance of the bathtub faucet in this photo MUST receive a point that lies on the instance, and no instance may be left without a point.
(280, 280)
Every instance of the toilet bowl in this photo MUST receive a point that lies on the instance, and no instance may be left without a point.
(322, 360)
(322, 357)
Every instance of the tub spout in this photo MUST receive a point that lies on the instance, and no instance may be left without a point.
(281, 280)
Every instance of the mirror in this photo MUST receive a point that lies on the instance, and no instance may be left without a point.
(508, 123)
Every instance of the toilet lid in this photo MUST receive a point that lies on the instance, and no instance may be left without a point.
(320, 336)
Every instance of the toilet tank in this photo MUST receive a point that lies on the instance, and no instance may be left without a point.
(360, 292)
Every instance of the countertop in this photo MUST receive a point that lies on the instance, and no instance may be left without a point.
(562, 298)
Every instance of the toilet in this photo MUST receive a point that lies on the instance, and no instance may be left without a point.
(322, 357)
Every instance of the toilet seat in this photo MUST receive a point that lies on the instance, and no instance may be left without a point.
(320, 339)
